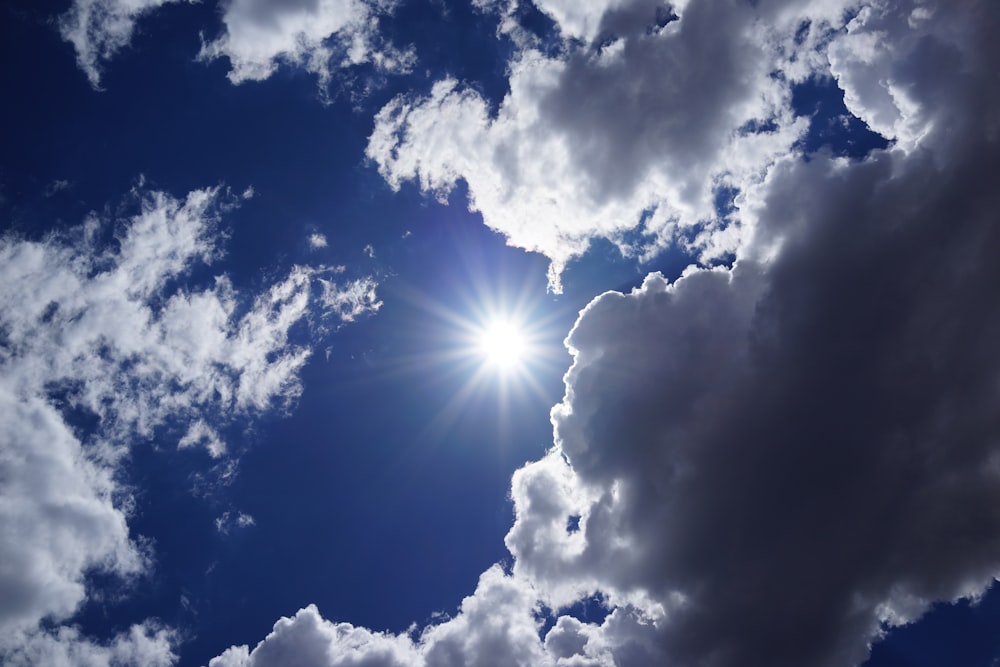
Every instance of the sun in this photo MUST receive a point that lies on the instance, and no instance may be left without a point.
(503, 344)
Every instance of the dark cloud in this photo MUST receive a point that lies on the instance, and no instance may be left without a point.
(794, 455)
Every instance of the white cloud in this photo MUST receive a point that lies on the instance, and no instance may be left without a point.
(99, 29)
(497, 625)
(633, 132)
(101, 347)
(144, 644)
(351, 300)
(57, 513)
(321, 36)
(317, 241)
(200, 434)
(318, 35)
(230, 520)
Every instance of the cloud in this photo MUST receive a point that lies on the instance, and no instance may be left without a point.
(103, 345)
(317, 241)
(55, 187)
(777, 460)
(321, 36)
(636, 129)
(59, 517)
(99, 29)
(497, 625)
(318, 35)
(230, 520)
(349, 301)
(770, 460)
(144, 644)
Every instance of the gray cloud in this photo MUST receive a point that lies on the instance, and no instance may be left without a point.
(787, 458)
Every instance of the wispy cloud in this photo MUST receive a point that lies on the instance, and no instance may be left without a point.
(99, 29)
(104, 346)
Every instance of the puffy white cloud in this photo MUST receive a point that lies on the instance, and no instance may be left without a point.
(57, 515)
(103, 345)
(635, 130)
(99, 29)
(319, 35)
(497, 625)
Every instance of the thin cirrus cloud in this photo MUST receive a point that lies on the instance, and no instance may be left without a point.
(104, 346)
(100, 29)
(320, 36)
(784, 458)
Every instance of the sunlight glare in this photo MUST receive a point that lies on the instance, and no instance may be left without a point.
(503, 344)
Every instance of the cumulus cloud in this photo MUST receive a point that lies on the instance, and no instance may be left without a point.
(497, 625)
(318, 35)
(779, 460)
(99, 29)
(636, 125)
(103, 345)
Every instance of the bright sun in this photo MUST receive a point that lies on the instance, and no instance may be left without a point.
(502, 344)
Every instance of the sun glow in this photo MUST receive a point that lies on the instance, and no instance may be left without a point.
(503, 344)
(496, 346)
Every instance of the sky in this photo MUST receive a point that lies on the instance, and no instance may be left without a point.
(565, 333)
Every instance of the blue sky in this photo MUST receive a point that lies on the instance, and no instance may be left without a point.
(251, 251)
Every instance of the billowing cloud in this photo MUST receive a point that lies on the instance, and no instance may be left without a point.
(104, 343)
(99, 29)
(774, 461)
(637, 128)
(318, 35)
(497, 625)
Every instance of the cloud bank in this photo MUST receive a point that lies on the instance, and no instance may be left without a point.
(778, 460)
(104, 342)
